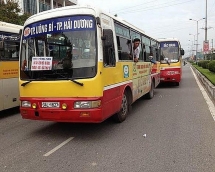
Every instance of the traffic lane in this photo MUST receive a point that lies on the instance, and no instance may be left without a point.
(189, 130)
(36, 142)
(17, 139)
(28, 141)
(179, 137)
(171, 142)
(24, 142)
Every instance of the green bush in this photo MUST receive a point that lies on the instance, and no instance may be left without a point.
(200, 63)
(211, 66)
(204, 64)
(208, 74)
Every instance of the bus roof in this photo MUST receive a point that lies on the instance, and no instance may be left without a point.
(80, 10)
(9, 27)
(76, 9)
(168, 39)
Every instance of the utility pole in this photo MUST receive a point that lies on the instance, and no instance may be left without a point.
(197, 33)
(206, 18)
(197, 40)
(212, 45)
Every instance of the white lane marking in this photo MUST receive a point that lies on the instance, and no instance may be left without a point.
(58, 147)
(206, 97)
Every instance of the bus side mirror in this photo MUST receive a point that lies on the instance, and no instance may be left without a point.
(182, 52)
(107, 37)
(20, 32)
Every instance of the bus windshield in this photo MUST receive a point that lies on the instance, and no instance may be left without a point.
(59, 49)
(9, 46)
(169, 52)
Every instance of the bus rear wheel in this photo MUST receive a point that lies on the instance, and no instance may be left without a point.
(122, 114)
(150, 94)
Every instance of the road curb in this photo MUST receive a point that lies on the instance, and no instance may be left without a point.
(207, 84)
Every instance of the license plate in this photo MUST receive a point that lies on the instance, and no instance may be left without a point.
(171, 73)
(50, 104)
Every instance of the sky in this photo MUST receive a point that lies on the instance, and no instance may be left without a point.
(166, 18)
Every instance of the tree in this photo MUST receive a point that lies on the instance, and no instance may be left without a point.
(10, 12)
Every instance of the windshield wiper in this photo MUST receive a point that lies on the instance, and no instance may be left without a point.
(79, 83)
(168, 62)
(73, 80)
(27, 82)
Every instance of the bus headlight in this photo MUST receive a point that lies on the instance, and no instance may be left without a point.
(26, 104)
(87, 104)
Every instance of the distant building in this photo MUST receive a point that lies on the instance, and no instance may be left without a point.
(36, 6)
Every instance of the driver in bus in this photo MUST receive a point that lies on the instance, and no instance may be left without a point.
(67, 61)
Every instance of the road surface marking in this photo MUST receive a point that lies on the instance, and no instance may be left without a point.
(205, 95)
(58, 147)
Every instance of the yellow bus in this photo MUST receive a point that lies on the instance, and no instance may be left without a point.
(75, 66)
(171, 60)
(9, 65)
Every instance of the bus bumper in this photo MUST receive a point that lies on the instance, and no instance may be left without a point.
(170, 76)
(58, 114)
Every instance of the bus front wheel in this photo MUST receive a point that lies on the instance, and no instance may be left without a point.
(122, 114)
(177, 83)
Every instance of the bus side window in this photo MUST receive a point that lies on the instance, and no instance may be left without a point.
(119, 48)
(154, 53)
(157, 54)
(124, 48)
(147, 51)
(144, 52)
(141, 52)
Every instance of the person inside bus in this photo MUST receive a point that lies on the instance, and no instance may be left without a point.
(136, 50)
(152, 56)
(152, 60)
(67, 61)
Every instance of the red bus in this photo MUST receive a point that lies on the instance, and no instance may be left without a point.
(171, 60)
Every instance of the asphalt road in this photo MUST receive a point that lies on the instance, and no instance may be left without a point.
(173, 132)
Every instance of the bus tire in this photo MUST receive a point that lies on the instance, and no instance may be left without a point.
(122, 114)
(177, 83)
(150, 94)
